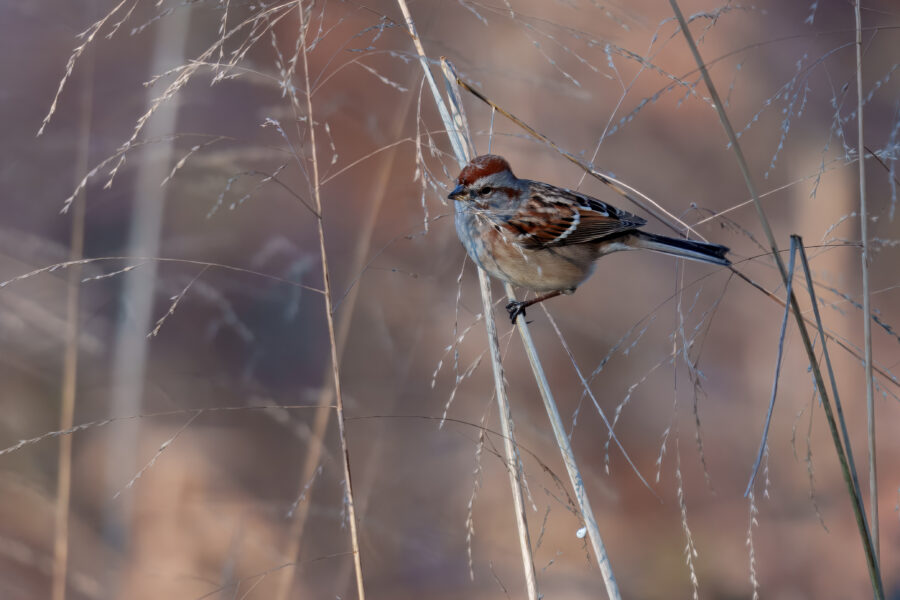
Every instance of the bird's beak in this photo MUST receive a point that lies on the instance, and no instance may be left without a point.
(457, 192)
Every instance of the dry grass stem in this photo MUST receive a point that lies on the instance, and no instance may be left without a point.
(329, 312)
(866, 302)
(458, 129)
(70, 360)
(562, 440)
(462, 152)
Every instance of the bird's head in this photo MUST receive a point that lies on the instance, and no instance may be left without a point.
(486, 181)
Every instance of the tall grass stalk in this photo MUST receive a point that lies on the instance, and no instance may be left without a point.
(459, 127)
(329, 312)
(556, 423)
(856, 500)
(511, 453)
(70, 360)
(867, 311)
(763, 444)
(462, 151)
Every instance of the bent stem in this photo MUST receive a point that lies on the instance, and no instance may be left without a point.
(329, 317)
(511, 452)
(858, 508)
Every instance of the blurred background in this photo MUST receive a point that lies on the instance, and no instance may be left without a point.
(204, 467)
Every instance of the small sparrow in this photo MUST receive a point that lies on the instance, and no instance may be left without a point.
(544, 238)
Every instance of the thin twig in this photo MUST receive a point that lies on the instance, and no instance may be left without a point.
(329, 315)
(867, 322)
(159, 451)
(858, 508)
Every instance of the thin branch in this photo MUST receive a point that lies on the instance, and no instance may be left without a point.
(162, 448)
(313, 459)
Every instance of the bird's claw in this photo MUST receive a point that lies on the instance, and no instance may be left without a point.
(515, 309)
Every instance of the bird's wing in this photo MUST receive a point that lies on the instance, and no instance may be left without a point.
(557, 217)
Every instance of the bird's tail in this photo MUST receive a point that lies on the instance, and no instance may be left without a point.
(699, 251)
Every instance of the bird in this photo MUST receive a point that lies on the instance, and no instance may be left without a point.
(545, 238)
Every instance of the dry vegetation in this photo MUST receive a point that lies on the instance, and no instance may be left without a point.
(242, 354)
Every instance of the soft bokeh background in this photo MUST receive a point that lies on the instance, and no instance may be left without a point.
(210, 515)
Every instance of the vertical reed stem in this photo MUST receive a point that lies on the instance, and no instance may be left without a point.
(461, 149)
(70, 361)
(867, 311)
(329, 317)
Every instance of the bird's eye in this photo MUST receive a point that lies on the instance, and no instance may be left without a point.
(485, 190)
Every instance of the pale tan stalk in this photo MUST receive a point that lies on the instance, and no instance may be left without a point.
(462, 153)
(565, 448)
(867, 311)
(511, 453)
(329, 317)
(559, 432)
(70, 361)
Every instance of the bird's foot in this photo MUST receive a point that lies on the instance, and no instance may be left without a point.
(515, 309)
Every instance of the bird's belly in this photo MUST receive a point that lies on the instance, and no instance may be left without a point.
(544, 270)
(560, 268)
